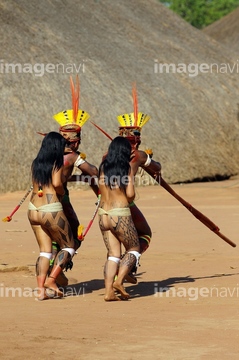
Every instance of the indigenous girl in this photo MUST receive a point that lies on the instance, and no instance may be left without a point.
(71, 122)
(115, 221)
(130, 128)
(46, 215)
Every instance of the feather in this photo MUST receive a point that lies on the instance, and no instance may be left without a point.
(7, 219)
(40, 133)
(75, 94)
(135, 103)
(104, 132)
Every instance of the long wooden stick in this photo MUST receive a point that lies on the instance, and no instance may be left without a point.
(201, 217)
(81, 235)
(9, 218)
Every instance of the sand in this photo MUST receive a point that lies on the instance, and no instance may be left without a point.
(183, 307)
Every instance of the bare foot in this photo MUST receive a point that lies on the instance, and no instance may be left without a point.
(51, 285)
(112, 298)
(121, 290)
(110, 295)
(42, 296)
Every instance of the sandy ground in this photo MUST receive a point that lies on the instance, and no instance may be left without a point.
(183, 307)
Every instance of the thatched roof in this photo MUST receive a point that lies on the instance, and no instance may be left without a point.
(226, 30)
(194, 127)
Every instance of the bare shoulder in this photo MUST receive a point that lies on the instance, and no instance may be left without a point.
(138, 160)
(141, 156)
(70, 158)
(142, 153)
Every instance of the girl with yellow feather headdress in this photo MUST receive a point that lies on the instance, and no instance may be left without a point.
(71, 122)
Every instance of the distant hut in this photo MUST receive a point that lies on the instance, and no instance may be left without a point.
(181, 81)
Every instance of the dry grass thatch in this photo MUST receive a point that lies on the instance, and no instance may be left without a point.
(194, 127)
(226, 30)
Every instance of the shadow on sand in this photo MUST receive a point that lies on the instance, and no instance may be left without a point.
(149, 288)
(142, 289)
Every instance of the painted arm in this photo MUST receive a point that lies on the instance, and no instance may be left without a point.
(90, 175)
(130, 191)
(57, 181)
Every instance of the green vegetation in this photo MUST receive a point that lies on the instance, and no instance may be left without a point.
(201, 13)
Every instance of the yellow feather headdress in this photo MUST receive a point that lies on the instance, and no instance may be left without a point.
(71, 121)
(135, 120)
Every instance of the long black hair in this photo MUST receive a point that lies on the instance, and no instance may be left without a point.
(49, 158)
(116, 164)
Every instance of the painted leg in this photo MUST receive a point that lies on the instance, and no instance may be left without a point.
(60, 262)
(126, 265)
(42, 266)
(61, 279)
(110, 270)
(144, 241)
(51, 284)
